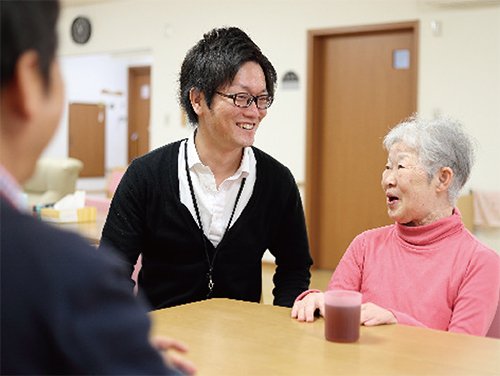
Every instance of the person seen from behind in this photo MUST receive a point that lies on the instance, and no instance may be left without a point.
(65, 308)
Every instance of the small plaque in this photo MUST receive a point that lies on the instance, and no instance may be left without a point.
(401, 59)
(144, 91)
(290, 80)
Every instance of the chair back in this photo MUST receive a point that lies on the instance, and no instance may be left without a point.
(494, 331)
(113, 180)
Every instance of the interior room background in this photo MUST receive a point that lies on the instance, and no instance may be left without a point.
(459, 67)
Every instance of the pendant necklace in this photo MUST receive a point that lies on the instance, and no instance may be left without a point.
(211, 262)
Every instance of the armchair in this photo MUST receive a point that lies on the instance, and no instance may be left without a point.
(52, 180)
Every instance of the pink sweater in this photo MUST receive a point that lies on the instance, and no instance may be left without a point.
(437, 276)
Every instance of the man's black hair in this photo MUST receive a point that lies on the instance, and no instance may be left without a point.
(27, 25)
(215, 60)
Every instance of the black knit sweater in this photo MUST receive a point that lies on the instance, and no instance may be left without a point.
(146, 216)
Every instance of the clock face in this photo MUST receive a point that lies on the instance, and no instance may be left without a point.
(81, 30)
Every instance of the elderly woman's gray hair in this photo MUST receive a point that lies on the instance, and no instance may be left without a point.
(439, 143)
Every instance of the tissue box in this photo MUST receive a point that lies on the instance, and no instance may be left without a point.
(85, 214)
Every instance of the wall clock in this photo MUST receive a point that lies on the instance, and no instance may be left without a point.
(81, 29)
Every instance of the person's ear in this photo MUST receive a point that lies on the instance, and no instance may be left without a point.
(27, 86)
(196, 97)
(445, 177)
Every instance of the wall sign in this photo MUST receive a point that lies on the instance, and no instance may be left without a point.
(290, 80)
(401, 59)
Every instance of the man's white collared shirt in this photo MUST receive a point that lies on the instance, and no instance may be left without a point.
(215, 204)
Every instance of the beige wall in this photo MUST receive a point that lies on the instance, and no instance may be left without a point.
(459, 70)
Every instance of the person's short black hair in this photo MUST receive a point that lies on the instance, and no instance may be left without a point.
(215, 60)
(27, 25)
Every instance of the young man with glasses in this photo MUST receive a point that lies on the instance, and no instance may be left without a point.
(202, 211)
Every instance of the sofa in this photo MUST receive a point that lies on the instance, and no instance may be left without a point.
(53, 179)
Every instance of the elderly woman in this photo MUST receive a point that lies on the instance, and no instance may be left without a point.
(425, 270)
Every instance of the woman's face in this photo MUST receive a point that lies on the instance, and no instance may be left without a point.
(230, 126)
(411, 198)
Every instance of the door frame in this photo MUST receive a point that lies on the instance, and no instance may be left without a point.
(313, 109)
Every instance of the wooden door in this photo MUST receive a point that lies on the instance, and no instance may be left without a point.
(362, 81)
(87, 123)
(139, 94)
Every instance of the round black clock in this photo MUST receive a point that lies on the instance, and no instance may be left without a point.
(81, 30)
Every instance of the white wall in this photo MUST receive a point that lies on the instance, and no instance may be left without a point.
(460, 76)
(102, 79)
(459, 71)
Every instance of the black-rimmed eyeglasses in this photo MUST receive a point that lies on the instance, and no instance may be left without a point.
(245, 100)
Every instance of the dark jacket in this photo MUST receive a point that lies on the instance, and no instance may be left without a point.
(65, 307)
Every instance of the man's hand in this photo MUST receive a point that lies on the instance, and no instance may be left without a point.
(169, 349)
(303, 310)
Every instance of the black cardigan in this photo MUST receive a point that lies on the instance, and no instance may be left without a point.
(146, 216)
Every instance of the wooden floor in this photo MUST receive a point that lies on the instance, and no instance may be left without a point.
(319, 280)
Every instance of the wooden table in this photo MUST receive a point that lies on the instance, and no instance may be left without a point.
(89, 230)
(229, 337)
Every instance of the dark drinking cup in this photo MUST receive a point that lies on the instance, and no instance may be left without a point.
(342, 315)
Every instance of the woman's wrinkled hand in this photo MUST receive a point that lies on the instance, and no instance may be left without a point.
(372, 315)
(304, 309)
